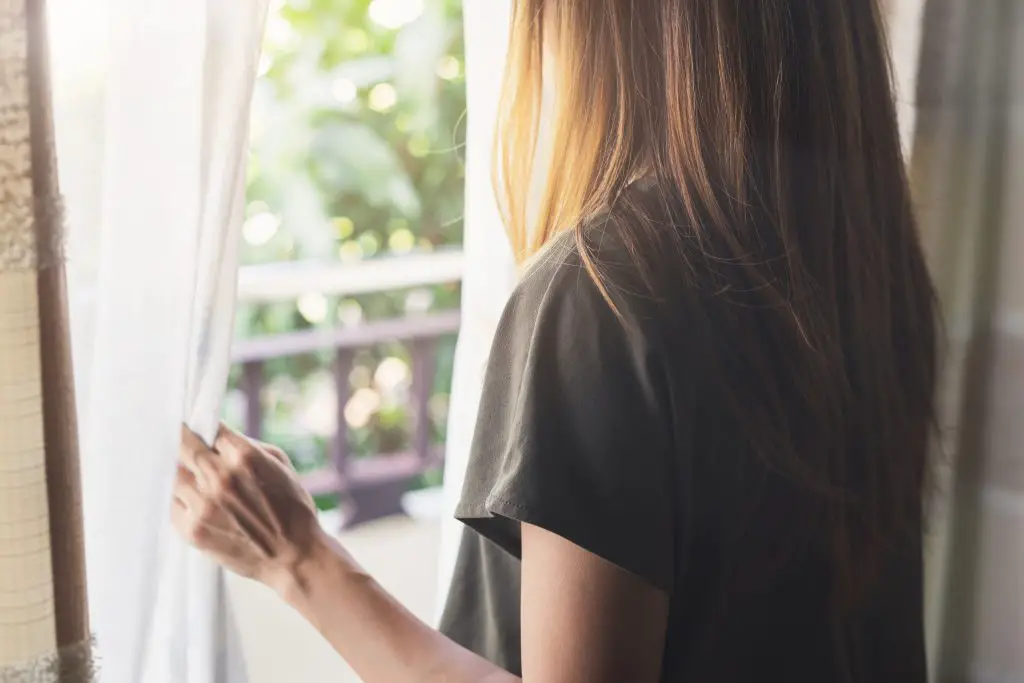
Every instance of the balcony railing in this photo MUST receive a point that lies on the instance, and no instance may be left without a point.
(368, 487)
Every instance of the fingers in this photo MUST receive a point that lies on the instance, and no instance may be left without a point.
(191, 512)
(213, 480)
(192, 450)
(190, 441)
(231, 444)
(201, 462)
(231, 440)
(274, 452)
(185, 476)
(241, 450)
(237, 475)
(198, 513)
(239, 501)
(185, 486)
(245, 456)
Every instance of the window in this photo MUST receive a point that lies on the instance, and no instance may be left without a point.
(350, 285)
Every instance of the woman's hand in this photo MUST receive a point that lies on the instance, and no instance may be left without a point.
(241, 503)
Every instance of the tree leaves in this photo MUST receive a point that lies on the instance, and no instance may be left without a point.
(367, 71)
(352, 158)
(349, 178)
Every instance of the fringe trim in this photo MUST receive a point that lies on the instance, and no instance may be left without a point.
(22, 214)
(20, 248)
(72, 664)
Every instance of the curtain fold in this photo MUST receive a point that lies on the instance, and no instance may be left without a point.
(489, 273)
(904, 24)
(967, 169)
(177, 92)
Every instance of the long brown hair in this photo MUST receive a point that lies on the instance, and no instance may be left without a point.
(769, 127)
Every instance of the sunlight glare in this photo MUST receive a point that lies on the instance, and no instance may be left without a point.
(344, 90)
(383, 97)
(361, 407)
(394, 14)
(313, 307)
(259, 229)
(449, 68)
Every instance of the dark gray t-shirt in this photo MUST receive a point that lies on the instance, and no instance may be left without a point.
(603, 431)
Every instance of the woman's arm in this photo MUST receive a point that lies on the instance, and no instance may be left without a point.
(380, 639)
(583, 619)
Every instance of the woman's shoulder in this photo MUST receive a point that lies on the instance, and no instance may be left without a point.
(584, 278)
(576, 425)
(615, 267)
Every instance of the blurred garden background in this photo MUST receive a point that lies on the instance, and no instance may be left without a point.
(356, 160)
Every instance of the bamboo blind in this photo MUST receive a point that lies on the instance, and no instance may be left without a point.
(43, 611)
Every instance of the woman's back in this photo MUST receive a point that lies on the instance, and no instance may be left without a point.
(616, 429)
(722, 381)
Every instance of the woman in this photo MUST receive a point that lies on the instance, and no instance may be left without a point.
(701, 451)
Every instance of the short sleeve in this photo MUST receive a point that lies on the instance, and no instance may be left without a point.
(573, 433)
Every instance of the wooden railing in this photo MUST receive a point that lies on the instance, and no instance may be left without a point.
(372, 486)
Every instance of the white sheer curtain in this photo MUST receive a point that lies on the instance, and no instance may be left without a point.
(153, 298)
(904, 27)
(489, 274)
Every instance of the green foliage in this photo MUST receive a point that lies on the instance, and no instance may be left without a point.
(357, 135)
